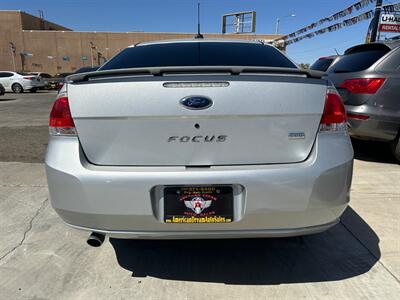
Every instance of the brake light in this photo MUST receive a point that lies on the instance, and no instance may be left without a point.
(61, 122)
(357, 116)
(29, 77)
(334, 115)
(363, 85)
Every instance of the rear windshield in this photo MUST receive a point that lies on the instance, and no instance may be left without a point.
(198, 54)
(322, 64)
(357, 61)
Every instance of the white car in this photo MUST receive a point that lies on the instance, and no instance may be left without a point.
(19, 82)
(44, 78)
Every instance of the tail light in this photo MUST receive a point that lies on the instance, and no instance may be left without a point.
(61, 122)
(363, 85)
(334, 115)
(357, 116)
(29, 77)
(60, 85)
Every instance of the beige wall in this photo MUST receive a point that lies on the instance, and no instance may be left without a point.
(49, 47)
(10, 31)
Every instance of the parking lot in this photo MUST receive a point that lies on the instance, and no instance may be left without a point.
(42, 258)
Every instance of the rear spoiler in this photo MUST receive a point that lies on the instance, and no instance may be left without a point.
(366, 47)
(159, 71)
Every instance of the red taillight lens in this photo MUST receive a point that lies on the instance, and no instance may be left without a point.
(334, 115)
(29, 77)
(363, 85)
(61, 122)
(358, 117)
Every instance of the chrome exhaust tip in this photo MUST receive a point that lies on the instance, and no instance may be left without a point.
(95, 239)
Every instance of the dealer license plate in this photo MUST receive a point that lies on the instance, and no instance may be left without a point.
(198, 204)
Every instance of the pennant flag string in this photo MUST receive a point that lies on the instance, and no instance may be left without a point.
(348, 22)
(347, 11)
(391, 8)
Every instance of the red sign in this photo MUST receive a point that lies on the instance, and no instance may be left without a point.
(389, 27)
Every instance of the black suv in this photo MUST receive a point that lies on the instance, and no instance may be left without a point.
(323, 63)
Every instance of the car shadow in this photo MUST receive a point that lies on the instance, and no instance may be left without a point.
(2, 99)
(373, 151)
(333, 255)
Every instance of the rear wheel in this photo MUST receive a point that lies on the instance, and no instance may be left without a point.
(17, 88)
(396, 148)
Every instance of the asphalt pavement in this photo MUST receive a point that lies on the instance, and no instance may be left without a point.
(24, 125)
(42, 258)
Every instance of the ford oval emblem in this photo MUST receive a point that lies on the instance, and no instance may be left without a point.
(196, 102)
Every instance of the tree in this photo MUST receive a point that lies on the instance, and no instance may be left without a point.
(304, 65)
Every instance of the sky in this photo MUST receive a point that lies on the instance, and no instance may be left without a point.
(181, 16)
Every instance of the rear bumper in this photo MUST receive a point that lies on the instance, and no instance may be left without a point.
(381, 125)
(52, 85)
(276, 200)
(198, 234)
(32, 85)
(28, 87)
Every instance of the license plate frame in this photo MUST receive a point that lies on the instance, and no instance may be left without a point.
(198, 204)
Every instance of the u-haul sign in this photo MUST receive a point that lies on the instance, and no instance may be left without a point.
(390, 23)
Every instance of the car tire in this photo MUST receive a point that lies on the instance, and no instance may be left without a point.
(17, 88)
(396, 148)
(34, 90)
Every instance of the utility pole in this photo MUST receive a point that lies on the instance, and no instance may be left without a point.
(12, 48)
(91, 52)
(41, 17)
(278, 22)
(277, 25)
(375, 20)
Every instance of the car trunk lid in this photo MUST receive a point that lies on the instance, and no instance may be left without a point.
(254, 119)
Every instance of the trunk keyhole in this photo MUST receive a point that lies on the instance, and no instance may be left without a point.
(197, 126)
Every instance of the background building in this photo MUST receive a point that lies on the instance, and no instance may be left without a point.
(30, 43)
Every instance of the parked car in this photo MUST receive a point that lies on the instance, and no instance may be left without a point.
(197, 139)
(86, 69)
(367, 77)
(18, 82)
(54, 82)
(81, 70)
(44, 78)
(2, 90)
(323, 63)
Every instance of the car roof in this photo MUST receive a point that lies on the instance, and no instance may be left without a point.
(392, 43)
(86, 69)
(198, 40)
(387, 45)
(328, 57)
(64, 74)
